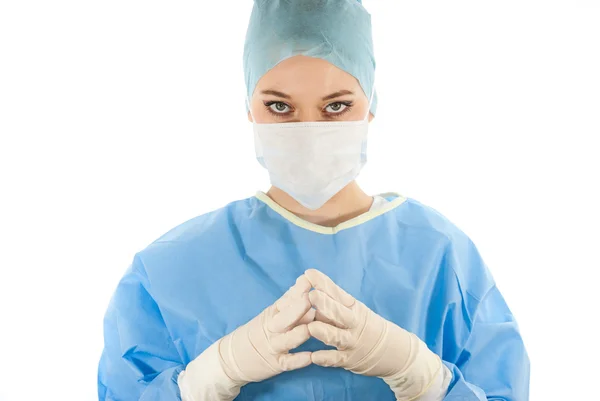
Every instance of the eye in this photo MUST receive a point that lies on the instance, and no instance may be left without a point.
(278, 107)
(337, 107)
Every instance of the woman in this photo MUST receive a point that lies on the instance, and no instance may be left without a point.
(388, 300)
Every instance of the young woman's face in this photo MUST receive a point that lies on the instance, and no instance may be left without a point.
(308, 89)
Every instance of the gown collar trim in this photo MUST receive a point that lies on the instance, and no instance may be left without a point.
(363, 218)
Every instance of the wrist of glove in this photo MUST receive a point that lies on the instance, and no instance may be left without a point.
(205, 378)
(422, 369)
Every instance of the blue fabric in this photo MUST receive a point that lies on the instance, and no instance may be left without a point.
(338, 31)
(214, 273)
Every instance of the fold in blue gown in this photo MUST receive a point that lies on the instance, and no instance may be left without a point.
(215, 272)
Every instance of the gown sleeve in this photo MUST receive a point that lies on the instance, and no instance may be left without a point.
(486, 354)
(139, 360)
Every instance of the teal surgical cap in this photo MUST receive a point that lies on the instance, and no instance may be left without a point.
(338, 31)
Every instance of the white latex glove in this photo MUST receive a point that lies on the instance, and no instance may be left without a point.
(368, 344)
(253, 352)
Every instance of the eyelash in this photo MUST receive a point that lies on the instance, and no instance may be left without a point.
(268, 105)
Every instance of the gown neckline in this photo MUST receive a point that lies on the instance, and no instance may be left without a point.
(363, 218)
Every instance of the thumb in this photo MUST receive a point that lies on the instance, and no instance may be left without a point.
(329, 358)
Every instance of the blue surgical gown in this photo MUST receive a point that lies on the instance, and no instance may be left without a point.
(212, 274)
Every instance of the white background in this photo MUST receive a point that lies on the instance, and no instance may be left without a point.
(121, 119)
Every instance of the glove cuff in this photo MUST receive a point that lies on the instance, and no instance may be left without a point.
(205, 378)
(423, 370)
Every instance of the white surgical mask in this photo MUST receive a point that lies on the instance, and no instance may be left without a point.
(312, 161)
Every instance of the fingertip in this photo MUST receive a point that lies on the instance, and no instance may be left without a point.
(303, 331)
(311, 275)
(296, 360)
(312, 314)
(306, 304)
(317, 359)
(312, 328)
(305, 360)
(303, 283)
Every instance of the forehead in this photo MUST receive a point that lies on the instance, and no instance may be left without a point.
(307, 75)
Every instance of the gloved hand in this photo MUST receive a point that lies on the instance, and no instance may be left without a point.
(253, 352)
(368, 344)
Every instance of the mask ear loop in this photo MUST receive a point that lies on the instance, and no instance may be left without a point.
(370, 103)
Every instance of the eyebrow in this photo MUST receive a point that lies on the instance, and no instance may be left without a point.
(276, 93)
(328, 97)
(338, 94)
